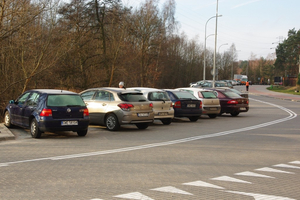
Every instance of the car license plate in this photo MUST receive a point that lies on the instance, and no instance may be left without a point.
(69, 123)
(162, 113)
(191, 105)
(242, 108)
(213, 109)
(143, 114)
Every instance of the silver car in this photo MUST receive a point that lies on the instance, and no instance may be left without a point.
(210, 102)
(113, 107)
(162, 105)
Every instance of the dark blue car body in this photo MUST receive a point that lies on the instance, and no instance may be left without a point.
(185, 104)
(44, 110)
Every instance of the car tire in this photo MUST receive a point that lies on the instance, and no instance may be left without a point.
(34, 129)
(112, 122)
(166, 121)
(212, 115)
(7, 120)
(234, 114)
(194, 119)
(82, 133)
(142, 125)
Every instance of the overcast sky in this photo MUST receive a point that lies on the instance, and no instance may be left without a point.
(254, 26)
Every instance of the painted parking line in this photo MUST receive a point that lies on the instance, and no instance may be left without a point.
(261, 196)
(291, 116)
(229, 179)
(247, 173)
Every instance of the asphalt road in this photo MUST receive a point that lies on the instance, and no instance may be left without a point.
(253, 156)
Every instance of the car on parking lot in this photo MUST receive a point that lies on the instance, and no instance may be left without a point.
(185, 104)
(44, 110)
(231, 102)
(209, 84)
(210, 102)
(162, 104)
(113, 107)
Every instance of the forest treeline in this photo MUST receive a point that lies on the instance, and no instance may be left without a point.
(79, 44)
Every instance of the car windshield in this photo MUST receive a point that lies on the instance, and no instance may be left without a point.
(158, 96)
(184, 95)
(132, 97)
(64, 100)
(208, 94)
(231, 94)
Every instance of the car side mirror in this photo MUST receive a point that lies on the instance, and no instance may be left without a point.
(11, 101)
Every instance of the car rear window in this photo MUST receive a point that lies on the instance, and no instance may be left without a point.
(208, 94)
(64, 100)
(184, 95)
(231, 94)
(158, 96)
(132, 97)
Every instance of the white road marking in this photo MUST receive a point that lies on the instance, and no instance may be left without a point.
(229, 179)
(96, 199)
(291, 116)
(247, 173)
(261, 196)
(203, 184)
(268, 169)
(295, 162)
(170, 189)
(134, 195)
(287, 166)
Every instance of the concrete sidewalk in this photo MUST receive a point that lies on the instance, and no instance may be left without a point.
(261, 90)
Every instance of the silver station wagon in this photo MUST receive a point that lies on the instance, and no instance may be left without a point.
(113, 107)
(162, 105)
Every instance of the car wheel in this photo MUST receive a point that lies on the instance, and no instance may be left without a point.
(234, 114)
(194, 119)
(7, 121)
(212, 115)
(112, 123)
(166, 121)
(142, 125)
(82, 133)
(34, 129)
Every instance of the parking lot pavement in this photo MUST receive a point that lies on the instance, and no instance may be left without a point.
(5, 133)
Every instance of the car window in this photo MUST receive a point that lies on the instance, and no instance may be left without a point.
(219, 94)
(21, 100)
(208, 94)
(184, 95)
(132, 97)
(64, 100)
(88, 95)
(104, 96)
(158, 96)
(231, 94)
(33, 99)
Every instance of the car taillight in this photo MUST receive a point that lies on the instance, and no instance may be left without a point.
(151, 105)
(200, 105)
(232, 102)
(86, 112)
(46, 113)
(177, 104)
(171, 105)
(125, 106)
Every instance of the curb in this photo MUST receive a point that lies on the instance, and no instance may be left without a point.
(5, 133)
(274, 97)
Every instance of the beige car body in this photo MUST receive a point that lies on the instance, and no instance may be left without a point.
(162, 105)
(104, 105)
(210, 106)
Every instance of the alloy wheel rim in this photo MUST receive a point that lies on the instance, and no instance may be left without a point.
(111, 122)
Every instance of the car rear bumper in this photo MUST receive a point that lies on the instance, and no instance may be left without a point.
(235, 108)
(187, 112)
(56, 125)
(211, 110)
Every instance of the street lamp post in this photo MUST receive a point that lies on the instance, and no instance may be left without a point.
(204, 59)
(221, 58)
(214, 67)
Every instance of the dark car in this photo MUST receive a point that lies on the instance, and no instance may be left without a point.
(44, 110)
(185, 104)
(231, 102)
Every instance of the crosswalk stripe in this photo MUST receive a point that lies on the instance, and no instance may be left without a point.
(203, 184)
(247, 173)
(171, 189)
(230, 179)
(134, 195)
(268, 169)
(287, 166)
